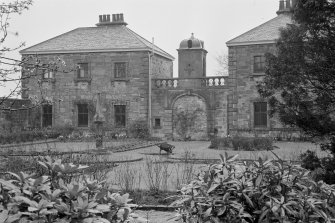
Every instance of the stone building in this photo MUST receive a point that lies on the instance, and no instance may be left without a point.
(136, 83)
(247, 110)
(109, 59)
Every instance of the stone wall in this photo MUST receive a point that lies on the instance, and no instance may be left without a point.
(244, 92)
(66, 90)
(215, 99)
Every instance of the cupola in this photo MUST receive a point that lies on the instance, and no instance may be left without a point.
(191, 43)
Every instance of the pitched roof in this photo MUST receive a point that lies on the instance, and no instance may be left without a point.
(96, 39)
(268, 32)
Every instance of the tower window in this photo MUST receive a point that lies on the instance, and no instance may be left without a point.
(189, 43)
(157, 123)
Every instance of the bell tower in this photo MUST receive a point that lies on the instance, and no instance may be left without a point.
(191, 58)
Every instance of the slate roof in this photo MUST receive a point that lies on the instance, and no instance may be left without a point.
(268, 32)
(96, 39)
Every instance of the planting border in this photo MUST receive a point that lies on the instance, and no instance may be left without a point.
(29, 143)
(123, 148)
(217, 160)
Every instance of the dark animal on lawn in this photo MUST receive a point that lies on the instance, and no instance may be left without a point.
(166, 147)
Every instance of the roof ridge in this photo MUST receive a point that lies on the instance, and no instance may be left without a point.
(147, 42)
(63, 34)
(257, 27)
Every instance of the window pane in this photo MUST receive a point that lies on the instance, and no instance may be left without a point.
(157, 122)
(82, 70)
(260, 114)
(120, 115)
(259, 63)
(120, 70)
(83, 115)
(47, 115)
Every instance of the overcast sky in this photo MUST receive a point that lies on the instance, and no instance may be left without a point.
(168, 21)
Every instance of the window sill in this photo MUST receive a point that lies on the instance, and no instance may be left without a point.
(121, 79)
(261, 127)
(52, 80)
(84, 79)
(157, 127)
(258, 74)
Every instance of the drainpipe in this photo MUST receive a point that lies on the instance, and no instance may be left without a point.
(150, 55)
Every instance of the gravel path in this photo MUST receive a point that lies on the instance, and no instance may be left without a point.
(158, 216)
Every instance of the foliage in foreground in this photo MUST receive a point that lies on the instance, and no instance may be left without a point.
(261, 191)
(54, 197)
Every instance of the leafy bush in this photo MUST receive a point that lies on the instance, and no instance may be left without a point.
(261, 191)
(220, 143)
(309, 160)
(139, 129)
(54, 197)
(64, 130)
(322, 168)
(242, 143)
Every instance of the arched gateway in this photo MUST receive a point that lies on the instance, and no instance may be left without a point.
(192, 106)
(189, 121)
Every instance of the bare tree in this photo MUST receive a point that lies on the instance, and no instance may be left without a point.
(222, 64)
(15, 71)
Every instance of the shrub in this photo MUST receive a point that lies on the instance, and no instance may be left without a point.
(64, 130)
(261, 191)
(251, 143)
(139, 129)
(242, 143)
(52, 197)
(220, 143)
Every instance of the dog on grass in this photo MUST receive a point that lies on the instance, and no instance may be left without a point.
(166, 147)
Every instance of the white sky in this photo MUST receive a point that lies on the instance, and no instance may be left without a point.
(168, 21)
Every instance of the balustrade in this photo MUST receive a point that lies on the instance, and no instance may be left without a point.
(190, 82)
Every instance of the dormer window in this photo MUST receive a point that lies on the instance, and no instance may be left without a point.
(82, 70)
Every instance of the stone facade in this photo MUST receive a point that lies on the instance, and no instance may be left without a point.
(66, 90)
(211, 105)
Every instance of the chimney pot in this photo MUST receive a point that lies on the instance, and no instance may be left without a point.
(288, 4)
(118, 17)
(104, 18)
(108, 18)
(294, 3)
(281, 5)
(100, 18)
(114, 17)
(121, 17)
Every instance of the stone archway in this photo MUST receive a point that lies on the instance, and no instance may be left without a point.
(189, 118)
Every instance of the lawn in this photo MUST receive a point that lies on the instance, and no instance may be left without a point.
(164, 172)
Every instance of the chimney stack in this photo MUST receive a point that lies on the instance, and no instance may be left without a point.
(285, 6)
(288, 4)
(117, 19)
(281, 5)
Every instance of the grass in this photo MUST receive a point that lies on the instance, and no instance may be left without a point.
(157, 172)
